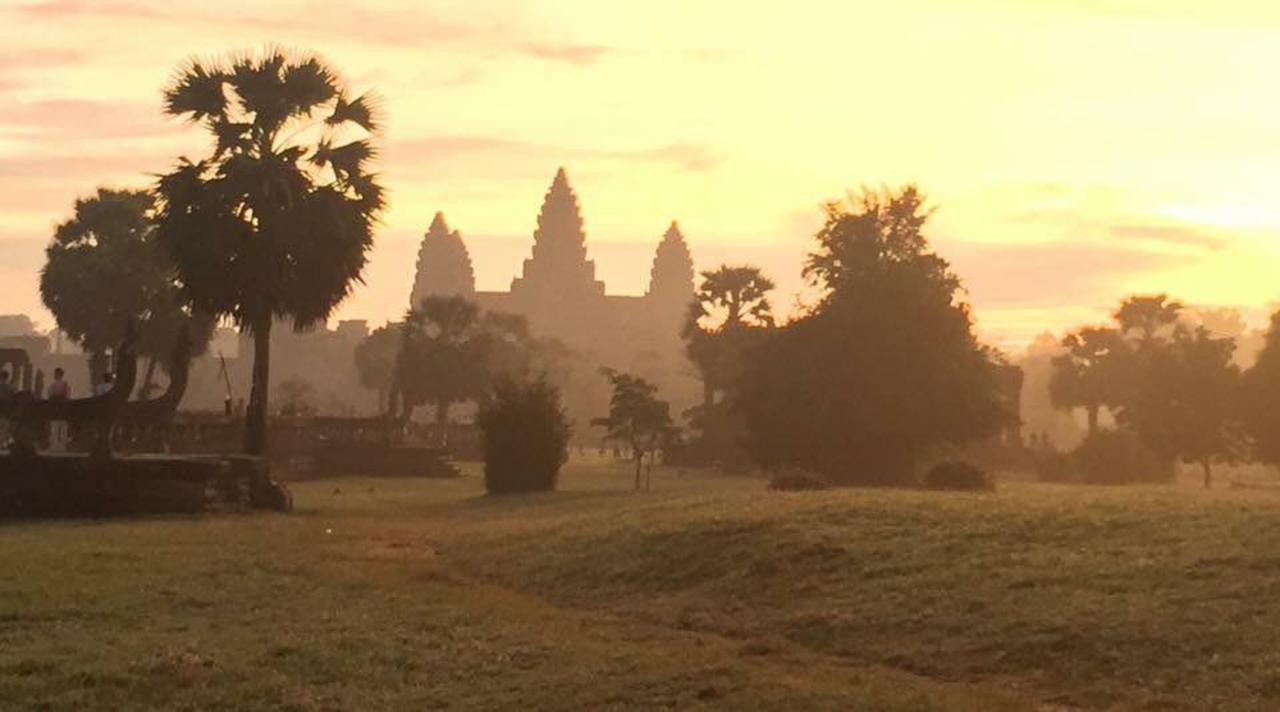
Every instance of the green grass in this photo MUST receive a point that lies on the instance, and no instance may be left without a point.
(707, 591)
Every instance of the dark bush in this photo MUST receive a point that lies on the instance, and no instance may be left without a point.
(1109, 457)
(957, 476)
(797, 481)
(526, 437)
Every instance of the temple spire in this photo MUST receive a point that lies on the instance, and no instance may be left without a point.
(671, 278)
(559, 262)
(444, 265)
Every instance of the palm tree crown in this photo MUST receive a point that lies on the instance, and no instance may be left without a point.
(277, 220)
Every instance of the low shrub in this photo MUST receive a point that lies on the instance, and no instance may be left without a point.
(955, 475)
(526, 437)
(797, 481)
(1108, 457)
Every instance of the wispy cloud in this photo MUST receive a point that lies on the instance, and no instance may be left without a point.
(1051, 273)
(427, 155)
(83, 119)
(1177, 235)
(568, 53)
(411, 26)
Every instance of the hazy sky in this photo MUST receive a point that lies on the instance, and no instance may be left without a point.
(1077, 150)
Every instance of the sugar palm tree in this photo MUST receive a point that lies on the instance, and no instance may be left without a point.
(276, 222)
(741, 293)
(731, 304)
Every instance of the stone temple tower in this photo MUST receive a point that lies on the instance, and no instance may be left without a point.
(671, 278)
(444, 265)
(559, 270)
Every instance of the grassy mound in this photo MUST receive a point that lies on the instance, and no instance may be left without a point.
(706, 592)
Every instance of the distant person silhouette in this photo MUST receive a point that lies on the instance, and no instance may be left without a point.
(59, 432)
(104, 386)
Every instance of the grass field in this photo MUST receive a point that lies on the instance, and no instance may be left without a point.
(707, 591)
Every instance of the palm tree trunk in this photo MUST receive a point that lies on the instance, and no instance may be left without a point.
(1208, 473)
(639, 464)
(145, 391)
(442, 413)
(1093, 419)
(98, 365)
(255, 425)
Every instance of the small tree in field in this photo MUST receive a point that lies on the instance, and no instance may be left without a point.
(636, 418)
(526, 437)
(277, 220)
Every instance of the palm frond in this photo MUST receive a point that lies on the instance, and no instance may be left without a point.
(370, 191)
(360, 111)
(323, 153)
(197, 92)
(306, 85)
(231, 136)
(258, 83)
(350, 159)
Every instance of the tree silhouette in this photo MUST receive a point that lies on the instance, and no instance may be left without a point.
(1085, 376)
(276, 222)
(440, 361)
(1187, 405)
(729, 308)
(729, 316)
(636, 417)
(884, 367)
(1262, 397)
(376, 360)
(105, 267)
(1146, 317)
(526, 437)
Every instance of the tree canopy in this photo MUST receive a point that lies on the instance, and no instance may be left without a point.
(105, 267)
(636, 417)
(1261, 399)
(884, 367)
(1174, 386)
(276, 221)
(1085, 375)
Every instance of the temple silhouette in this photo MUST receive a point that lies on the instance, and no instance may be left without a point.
(558, 293)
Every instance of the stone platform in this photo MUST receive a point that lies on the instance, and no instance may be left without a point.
(75, 485)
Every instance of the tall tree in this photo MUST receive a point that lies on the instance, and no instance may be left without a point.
(728, 317)
(884, 367)
(636, 417)
(375, 358)
(105, 267)
(1262, 397)
(1188, 403)
(440, 363)
(729, 309)
(276, 222)
(1085, 375)
(1146, 317)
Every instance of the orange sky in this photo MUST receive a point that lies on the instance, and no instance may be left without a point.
(1077, 150)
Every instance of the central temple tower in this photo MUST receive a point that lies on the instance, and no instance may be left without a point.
(559, 271)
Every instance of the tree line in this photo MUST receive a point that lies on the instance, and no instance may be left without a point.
(1172, 386)
(880, 372)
